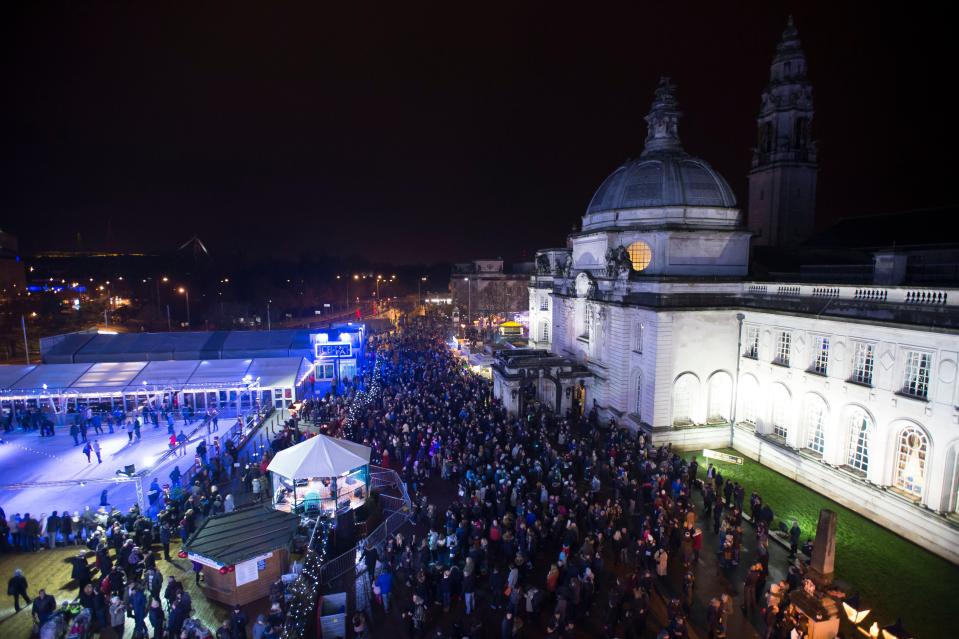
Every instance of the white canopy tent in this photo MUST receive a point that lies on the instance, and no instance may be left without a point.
(324, 474)
(320, 456)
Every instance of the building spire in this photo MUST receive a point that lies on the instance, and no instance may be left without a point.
(663, 120)
(786, 152)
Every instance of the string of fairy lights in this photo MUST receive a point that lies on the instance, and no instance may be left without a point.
(363, 398)
(306, 589)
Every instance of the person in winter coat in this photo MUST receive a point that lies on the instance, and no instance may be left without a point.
(156, 618)
(17, 587)
(118, 615)
(138, 602)
(662, 560)
(43, 606)
(259, 628)
(238, 621)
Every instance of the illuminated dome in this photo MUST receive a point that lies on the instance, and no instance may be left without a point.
(666, 179)
(663, 176)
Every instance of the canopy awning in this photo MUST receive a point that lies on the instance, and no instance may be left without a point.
(231, 538)
(320, 456)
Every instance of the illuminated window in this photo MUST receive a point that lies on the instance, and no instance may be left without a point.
(752, 342)
(640, 255)
(544, 303)
(911, 460)
(749, 399)
(863, 364)
(859, 426)
(783, 348)
(781, 401)
(915, 379)
(639, 337)
(821, 355)
(815, 421)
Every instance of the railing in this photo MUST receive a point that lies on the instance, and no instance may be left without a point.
(912, 296)
(235, 433)
(399, 509)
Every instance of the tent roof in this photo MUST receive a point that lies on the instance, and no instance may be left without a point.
(218, 371)
(320, 456)
(232, 538)
(10, 375)
(277, 372)
(166, 373)
(53, 375)
(117, 377)
(108, 376)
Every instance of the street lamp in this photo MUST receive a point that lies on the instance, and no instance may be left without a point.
(186, 292)
(469, 301)
(419, 290)
(269, 326)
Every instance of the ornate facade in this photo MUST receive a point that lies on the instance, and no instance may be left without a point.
(651, 317)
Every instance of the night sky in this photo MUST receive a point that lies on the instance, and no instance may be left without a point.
(410, 133)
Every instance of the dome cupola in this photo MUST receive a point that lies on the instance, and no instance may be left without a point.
(663, 177)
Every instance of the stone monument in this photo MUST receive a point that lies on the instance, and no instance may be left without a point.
(823, 560)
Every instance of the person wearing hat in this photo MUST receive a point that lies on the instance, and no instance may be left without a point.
(259, 628)
(117, 615)
(238, 621)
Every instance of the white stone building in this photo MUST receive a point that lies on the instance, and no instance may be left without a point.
(651, 318)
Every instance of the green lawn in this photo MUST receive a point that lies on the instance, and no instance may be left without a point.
(894, 576)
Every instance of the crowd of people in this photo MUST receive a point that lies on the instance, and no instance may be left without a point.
(118, 566)
(556, 522)
(544, 521)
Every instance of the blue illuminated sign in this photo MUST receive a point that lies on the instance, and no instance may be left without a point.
(334, 349)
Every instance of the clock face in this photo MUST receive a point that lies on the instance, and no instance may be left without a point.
(583, 283)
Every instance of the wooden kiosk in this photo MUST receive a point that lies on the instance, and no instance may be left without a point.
(242, 553)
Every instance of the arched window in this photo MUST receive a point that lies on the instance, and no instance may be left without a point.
(911, 460)
(544, 333)
(780, 412)
(859, 427)
(720, 394)
(748, 399)
(815, 419)
(684, 399)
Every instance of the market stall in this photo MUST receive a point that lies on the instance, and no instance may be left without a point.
(242, 553)
(323, 475)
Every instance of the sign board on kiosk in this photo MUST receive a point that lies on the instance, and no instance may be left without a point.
(715, 454)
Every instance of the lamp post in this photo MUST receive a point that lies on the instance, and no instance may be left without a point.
(269, 326)
(469, 300)
(739, 356)
(419, 290)
(186, 292)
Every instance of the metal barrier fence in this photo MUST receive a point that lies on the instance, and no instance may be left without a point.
(400, 510)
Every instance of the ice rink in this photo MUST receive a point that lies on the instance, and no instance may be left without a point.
(27, 457)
